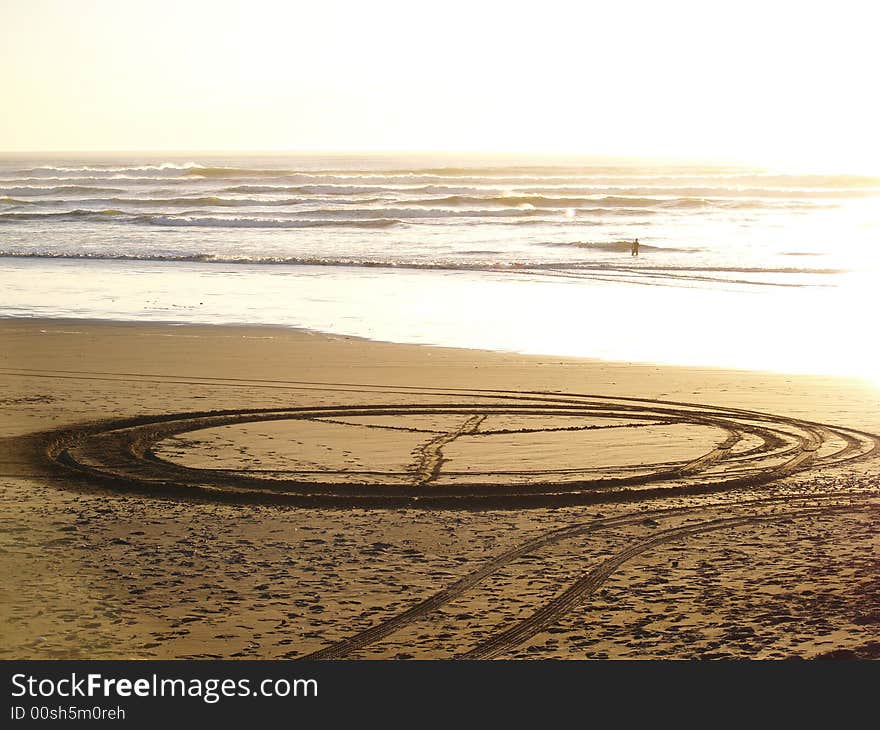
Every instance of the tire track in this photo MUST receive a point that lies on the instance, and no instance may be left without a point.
(722, 451)
(120, 454)
(381, 630)
(429, 457)
(377, 632)
(554, 609)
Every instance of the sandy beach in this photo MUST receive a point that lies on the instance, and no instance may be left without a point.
(256, 492)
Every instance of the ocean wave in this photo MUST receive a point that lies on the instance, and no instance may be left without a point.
(424, 213)
(615, 246)
(629, 175)
(623, 246)
(70, 180)
(216, 222)
(708, 191)
(209, 201)
(235, 172)
(215, 258)
(475, 172)
(550, 267)
(111, 168)
(36, 190)
(193, 220)
(593, 201)
(520, 211)
(335, 189)
(64, 215)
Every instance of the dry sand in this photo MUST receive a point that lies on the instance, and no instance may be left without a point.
(403, 501)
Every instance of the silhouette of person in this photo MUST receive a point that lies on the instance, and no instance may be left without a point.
(635, 247)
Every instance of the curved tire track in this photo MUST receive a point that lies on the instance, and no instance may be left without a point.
(554, 609)
(377, 632)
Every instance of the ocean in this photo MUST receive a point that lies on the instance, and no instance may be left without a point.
(737, 266)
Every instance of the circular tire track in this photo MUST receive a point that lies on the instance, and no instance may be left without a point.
(119, 454)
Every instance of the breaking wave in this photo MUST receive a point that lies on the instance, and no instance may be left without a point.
(557, 267)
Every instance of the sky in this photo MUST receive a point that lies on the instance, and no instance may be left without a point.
(783, 82)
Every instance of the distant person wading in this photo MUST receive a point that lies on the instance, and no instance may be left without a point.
(635, 247)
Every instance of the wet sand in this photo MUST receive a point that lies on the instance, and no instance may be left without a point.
(175, 492)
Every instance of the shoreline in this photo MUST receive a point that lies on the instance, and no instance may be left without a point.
(115, 573)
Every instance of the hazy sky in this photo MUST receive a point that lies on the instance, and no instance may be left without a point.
(782, 81)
